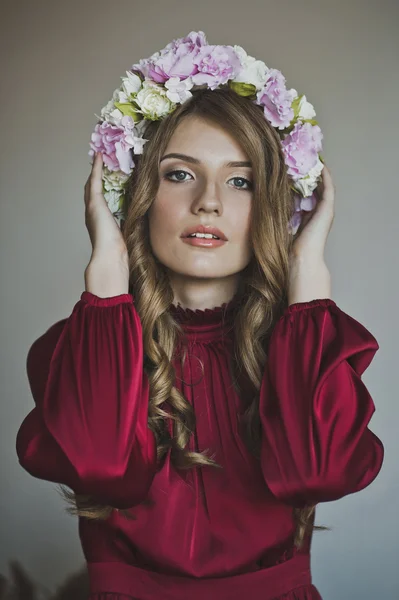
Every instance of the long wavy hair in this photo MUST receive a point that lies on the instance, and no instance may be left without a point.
(263, 284)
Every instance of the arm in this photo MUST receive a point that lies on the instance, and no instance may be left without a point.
(314, 407)
(89, 429)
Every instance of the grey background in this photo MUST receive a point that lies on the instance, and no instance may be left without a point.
(61, 63)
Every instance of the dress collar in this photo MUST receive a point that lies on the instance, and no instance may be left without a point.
(207, 324)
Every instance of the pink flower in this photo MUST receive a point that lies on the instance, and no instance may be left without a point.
(110, 140)
(301, 205)
(195, 38)
(309, 203)
(176, 63)
(216, 65)
(295, 222)
(301, 148)
(276, 100)
(141, 68)
(176, 60)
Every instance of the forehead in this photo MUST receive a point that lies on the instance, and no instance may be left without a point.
(201, 137)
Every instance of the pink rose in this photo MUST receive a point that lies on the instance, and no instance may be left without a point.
(301, 148)
(141, 68)
(177, 59)
(176, 63)
(110, 140)
(216, 65)
(276, 100)
(195, 38)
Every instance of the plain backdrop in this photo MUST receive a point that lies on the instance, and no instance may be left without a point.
(60, 65)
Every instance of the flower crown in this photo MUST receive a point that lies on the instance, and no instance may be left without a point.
(155, 86)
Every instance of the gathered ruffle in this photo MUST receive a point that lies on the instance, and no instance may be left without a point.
(304, 592)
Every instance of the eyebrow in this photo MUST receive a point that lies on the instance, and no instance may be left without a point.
(195, 161)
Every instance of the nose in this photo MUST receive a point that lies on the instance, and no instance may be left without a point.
(208, 199)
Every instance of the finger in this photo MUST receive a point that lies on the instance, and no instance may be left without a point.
(97, 163)
(327, 179)
(329, 190)
(97, 174)
(87, 189)
(320, 185)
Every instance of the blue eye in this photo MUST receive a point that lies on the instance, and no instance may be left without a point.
(246, 181)
(169, 175)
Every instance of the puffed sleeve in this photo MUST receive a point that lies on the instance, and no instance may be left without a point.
(88, 429)
(314, 407)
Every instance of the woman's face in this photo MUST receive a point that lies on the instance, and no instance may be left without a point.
(203, 190)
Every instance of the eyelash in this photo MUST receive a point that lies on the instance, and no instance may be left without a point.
(167, 175)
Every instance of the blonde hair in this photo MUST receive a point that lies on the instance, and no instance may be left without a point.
(263, 283)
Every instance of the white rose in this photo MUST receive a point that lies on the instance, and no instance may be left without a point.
(114, 180)
(252, 70)
(307, 184)
(153, 101)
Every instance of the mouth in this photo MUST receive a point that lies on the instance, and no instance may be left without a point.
(204, 232)
(203, 242)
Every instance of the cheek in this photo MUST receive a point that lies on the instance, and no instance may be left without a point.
(163, 218)
(242, 222)
(157, 215)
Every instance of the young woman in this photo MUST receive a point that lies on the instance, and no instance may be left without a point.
(205, 394)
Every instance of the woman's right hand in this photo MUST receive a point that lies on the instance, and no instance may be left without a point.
(106, 237)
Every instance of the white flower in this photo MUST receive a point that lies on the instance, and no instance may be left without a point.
(306, 110)
(136, 143)
(130, 84)
(153, 101)
(110, 113)
(140, 127)
(252, 70)
(123, 97)
(178, 91)
(114, 180)
(113, 198)
(132, 136)
(307, 184)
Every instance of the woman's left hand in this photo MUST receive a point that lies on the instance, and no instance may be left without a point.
(316, 225)
(309, 276)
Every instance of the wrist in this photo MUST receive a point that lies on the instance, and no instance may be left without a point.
(105, 257)
(308, 280)
(106, 278)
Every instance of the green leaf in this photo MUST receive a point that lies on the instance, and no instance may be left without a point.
(242, 89)
(311, 121)
(295, 107)
(128, 110)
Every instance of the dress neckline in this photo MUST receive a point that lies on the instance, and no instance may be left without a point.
(208, 324)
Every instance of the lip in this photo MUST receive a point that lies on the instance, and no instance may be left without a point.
(204, 229)
(204, 242)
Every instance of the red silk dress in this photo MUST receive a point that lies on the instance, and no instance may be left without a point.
(204, 533)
